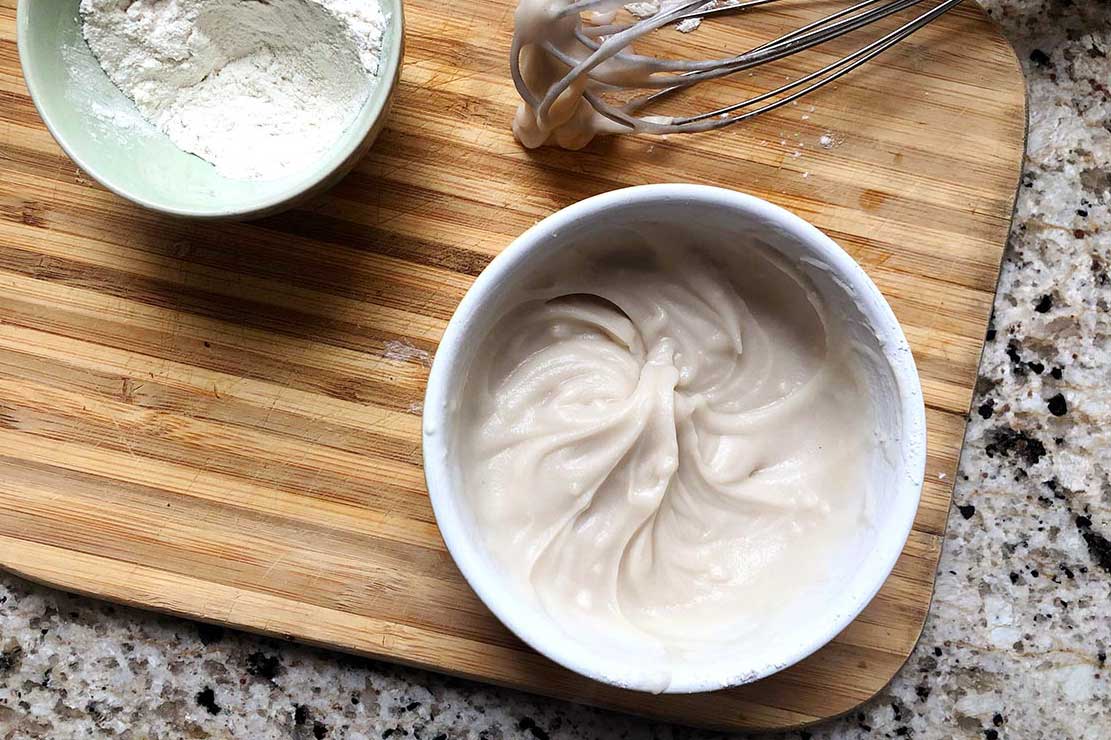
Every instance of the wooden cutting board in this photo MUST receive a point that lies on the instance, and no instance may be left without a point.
(222, 421)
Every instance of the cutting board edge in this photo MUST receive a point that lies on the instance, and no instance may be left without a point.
(30, 569)
(964, 441)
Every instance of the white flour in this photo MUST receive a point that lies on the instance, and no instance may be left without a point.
(259, 88)
(650, 8)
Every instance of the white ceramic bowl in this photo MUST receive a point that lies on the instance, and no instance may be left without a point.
(729, 220)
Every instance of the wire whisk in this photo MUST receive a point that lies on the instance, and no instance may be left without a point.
(564, 67)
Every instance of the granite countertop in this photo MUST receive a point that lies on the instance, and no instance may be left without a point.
(1017, 640)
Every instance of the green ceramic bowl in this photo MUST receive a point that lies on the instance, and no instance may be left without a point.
(101, 130)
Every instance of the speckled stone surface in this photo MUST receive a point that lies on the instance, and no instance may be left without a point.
(1017, 640)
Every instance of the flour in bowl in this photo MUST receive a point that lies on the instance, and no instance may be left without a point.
(259, 89)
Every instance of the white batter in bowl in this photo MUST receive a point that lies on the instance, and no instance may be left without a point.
(674, 438)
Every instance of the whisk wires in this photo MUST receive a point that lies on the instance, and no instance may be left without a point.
(667, 76)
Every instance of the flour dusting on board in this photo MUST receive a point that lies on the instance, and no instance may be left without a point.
(259, 89)
(402, 351)
(649, 9)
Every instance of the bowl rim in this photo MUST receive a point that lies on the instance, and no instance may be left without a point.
(373, 111)
(445, 379)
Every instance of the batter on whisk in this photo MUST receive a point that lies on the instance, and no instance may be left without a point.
(568, 121)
